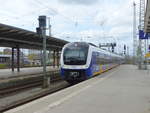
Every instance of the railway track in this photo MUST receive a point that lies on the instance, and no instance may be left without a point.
(19, 88)
(56, 84)
(41, 94)
(31, 83)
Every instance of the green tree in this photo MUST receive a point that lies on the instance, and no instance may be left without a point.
(1, 52)
(31, 56)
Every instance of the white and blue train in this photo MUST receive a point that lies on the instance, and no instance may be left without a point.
(80, 61)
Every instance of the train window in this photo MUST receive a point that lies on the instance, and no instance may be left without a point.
(75, 56)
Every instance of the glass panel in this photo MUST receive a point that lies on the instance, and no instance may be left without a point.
(75, 56)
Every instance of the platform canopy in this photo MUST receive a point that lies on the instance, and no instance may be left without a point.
(147, 17)
(12, 36)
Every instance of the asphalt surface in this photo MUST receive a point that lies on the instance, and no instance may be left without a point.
(121, 90)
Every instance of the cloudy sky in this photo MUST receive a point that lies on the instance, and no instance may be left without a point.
(95, 21)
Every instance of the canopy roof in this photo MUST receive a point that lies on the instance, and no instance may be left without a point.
(12, 36)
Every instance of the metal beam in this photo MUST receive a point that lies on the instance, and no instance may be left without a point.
(12, 59)
(54, 58)
(26, 42)
(57, 58)
(18, 59)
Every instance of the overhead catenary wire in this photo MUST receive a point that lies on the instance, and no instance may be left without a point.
(54, 10)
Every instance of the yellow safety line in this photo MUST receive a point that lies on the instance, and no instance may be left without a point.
(102, 71)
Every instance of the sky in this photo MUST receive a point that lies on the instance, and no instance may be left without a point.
(95, 21)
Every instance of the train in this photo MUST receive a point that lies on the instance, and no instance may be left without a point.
(81, 60)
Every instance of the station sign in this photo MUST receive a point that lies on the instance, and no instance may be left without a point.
(143, 35)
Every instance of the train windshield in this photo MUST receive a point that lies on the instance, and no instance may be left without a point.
(75, 55)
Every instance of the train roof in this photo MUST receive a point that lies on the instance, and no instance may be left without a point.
(92, 44)
(107, 52)
(102, 50)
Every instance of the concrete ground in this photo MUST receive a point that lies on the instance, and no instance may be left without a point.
(5, 73)
(121, 90)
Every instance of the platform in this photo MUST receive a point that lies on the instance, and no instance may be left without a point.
(121, 90)
(5, 73)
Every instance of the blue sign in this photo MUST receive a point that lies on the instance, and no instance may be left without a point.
(143, 35)
(146, 36)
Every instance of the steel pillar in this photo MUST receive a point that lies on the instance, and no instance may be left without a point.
(18, 59)
(45, 84)
(12, 59)
(54, 58)
(134, 35)
(49, 56)
(42, 32)
(141, 27)
(58, 58)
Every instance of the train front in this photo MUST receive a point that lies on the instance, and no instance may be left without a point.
(74, 63)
